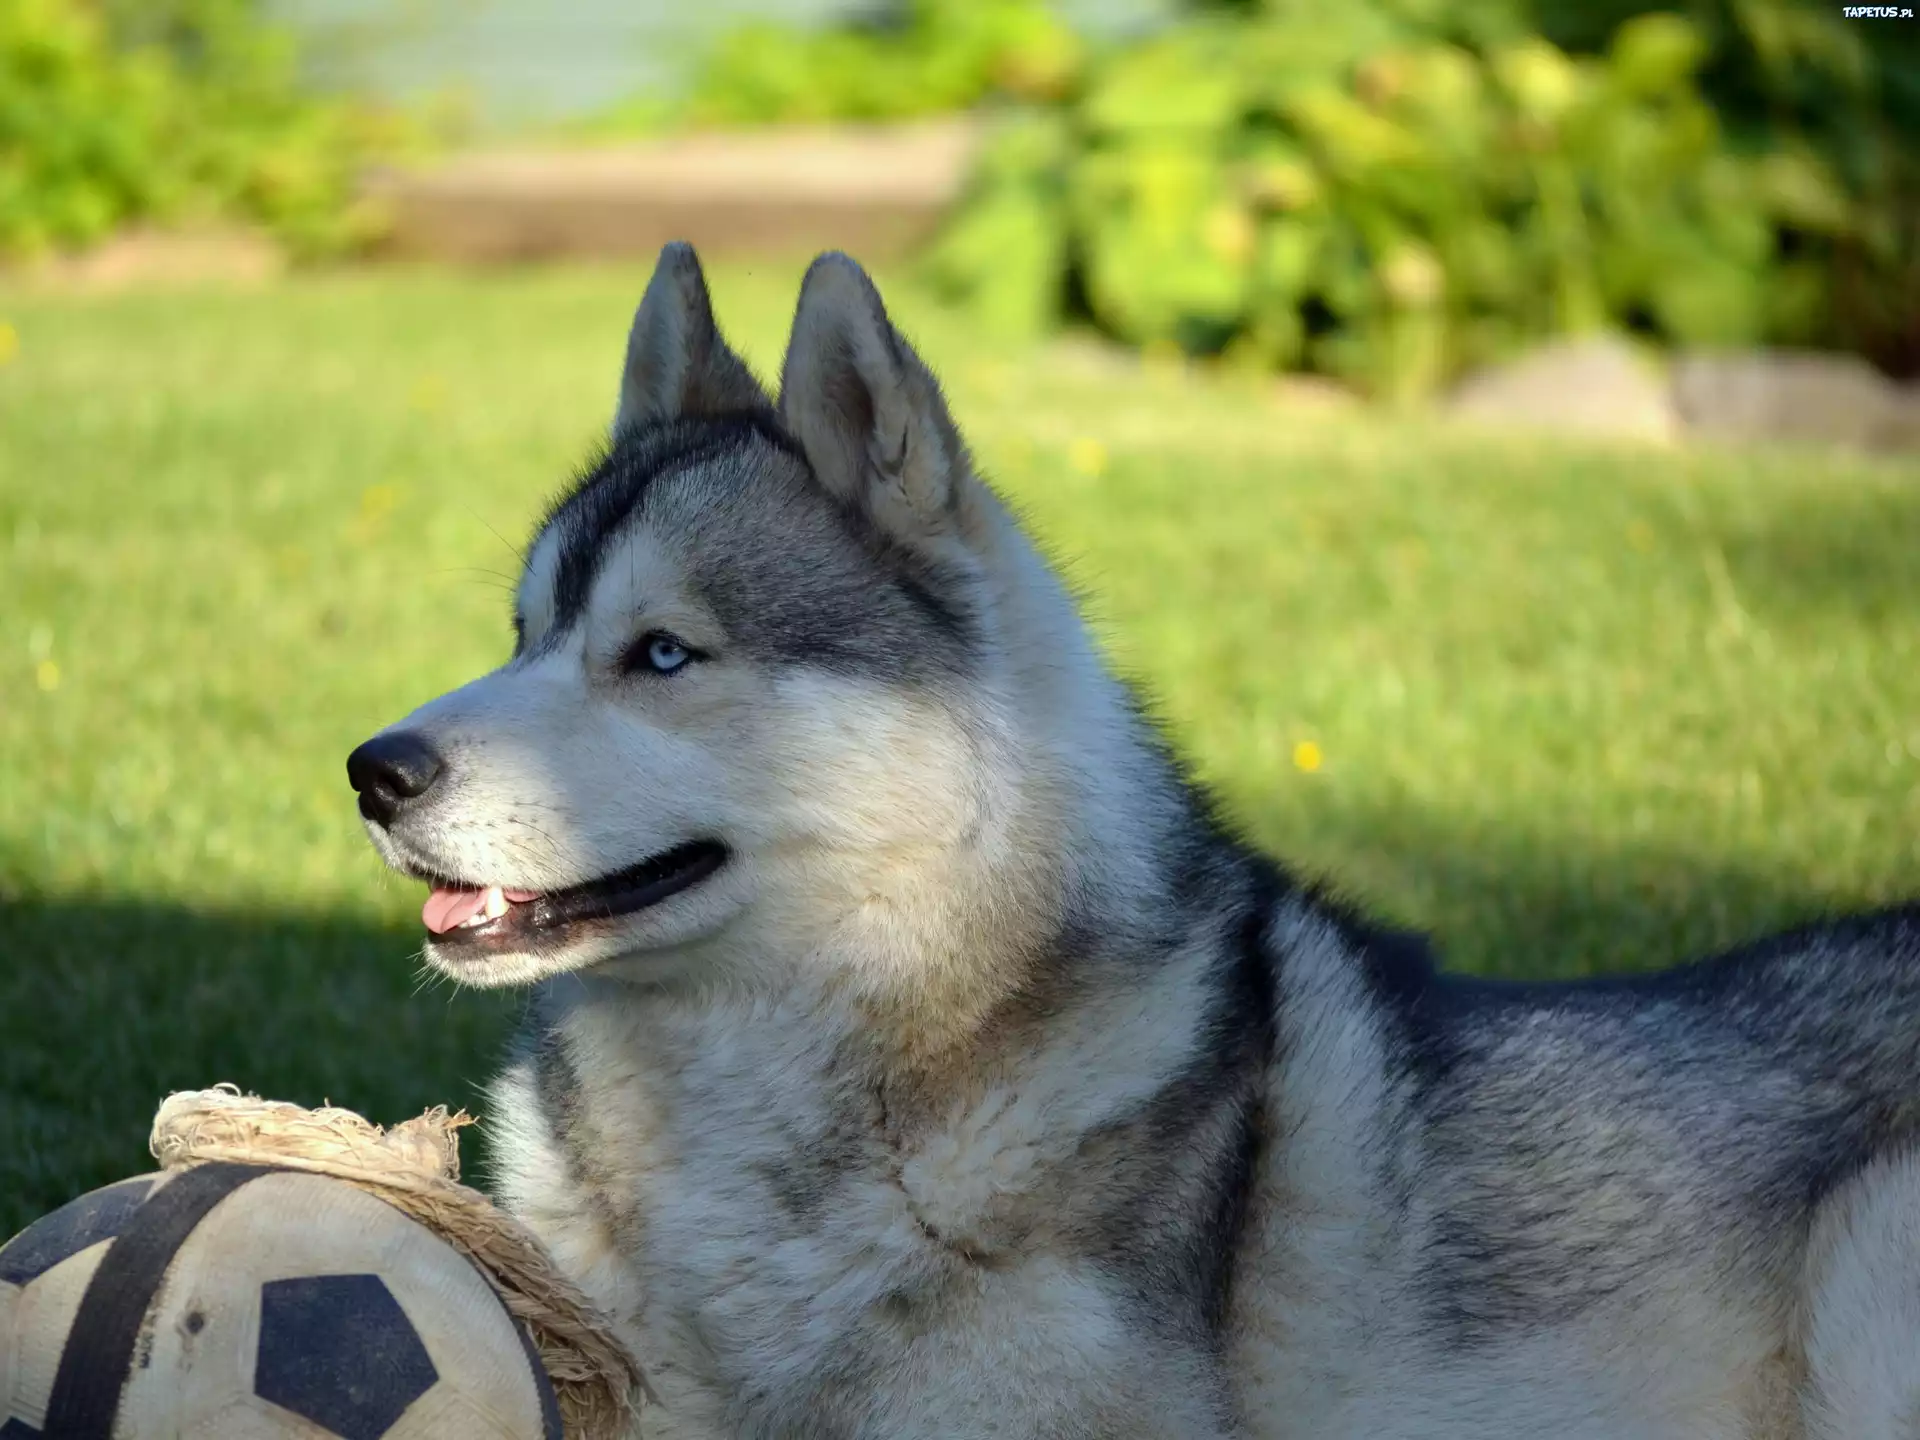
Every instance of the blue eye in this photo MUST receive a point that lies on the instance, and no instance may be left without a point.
(659, 652)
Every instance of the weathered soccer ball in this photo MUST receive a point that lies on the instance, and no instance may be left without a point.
(226, 1301)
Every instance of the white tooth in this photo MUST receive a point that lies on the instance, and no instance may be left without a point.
(496, 903)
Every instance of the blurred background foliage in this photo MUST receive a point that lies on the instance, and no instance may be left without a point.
(130, 111)
(1394, 190)
(1388, 192)
(895, 62)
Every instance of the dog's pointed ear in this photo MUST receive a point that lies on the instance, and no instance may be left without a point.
(677, 364)
(866, 410)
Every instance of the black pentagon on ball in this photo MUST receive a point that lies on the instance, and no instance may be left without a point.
(339, 1351)
(98, 1215)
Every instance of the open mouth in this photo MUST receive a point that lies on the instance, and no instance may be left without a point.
(457, 913)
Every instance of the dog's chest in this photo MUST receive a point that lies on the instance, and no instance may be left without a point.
(728, 1189)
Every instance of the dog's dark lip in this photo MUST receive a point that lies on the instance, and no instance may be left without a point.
(622, 893)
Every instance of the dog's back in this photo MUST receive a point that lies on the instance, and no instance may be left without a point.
(1587, 1209)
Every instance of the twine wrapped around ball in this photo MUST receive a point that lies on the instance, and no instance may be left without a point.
(415, 1167)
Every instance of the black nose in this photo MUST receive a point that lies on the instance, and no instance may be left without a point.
(390, 770)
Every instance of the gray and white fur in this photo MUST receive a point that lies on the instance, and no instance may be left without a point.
(913, 1053)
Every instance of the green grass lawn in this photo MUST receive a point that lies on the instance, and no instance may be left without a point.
(1574, 707)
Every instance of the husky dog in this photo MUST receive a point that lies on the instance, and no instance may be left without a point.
(912, 1052)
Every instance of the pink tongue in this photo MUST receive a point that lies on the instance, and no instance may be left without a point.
(449, 909)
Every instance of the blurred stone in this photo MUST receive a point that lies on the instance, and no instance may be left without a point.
(1797, 397)
(1593, 386)
(874, 191)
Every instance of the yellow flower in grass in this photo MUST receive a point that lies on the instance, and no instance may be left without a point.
(377, 501)
(9, 342)
(428, 395)
(1088, 456)
(47, 676)
(1306, 756)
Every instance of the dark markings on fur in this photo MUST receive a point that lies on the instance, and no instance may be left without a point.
(794, 575)
(614, 489)
(944, 615)
(563, 1110)
(1182, 1169)
(797, 1186)
(858, 603)
(1172, 1238)
(807, 1175)
(1728, 1097)
(1244, 1026)
(1400, 971)
(555, 1085)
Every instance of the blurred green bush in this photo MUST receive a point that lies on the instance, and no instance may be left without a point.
(171, 110)
(911, 58)
(1390, 191)
(1393, 190)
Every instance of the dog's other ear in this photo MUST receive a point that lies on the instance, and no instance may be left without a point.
(677, 364)
(868, 413)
